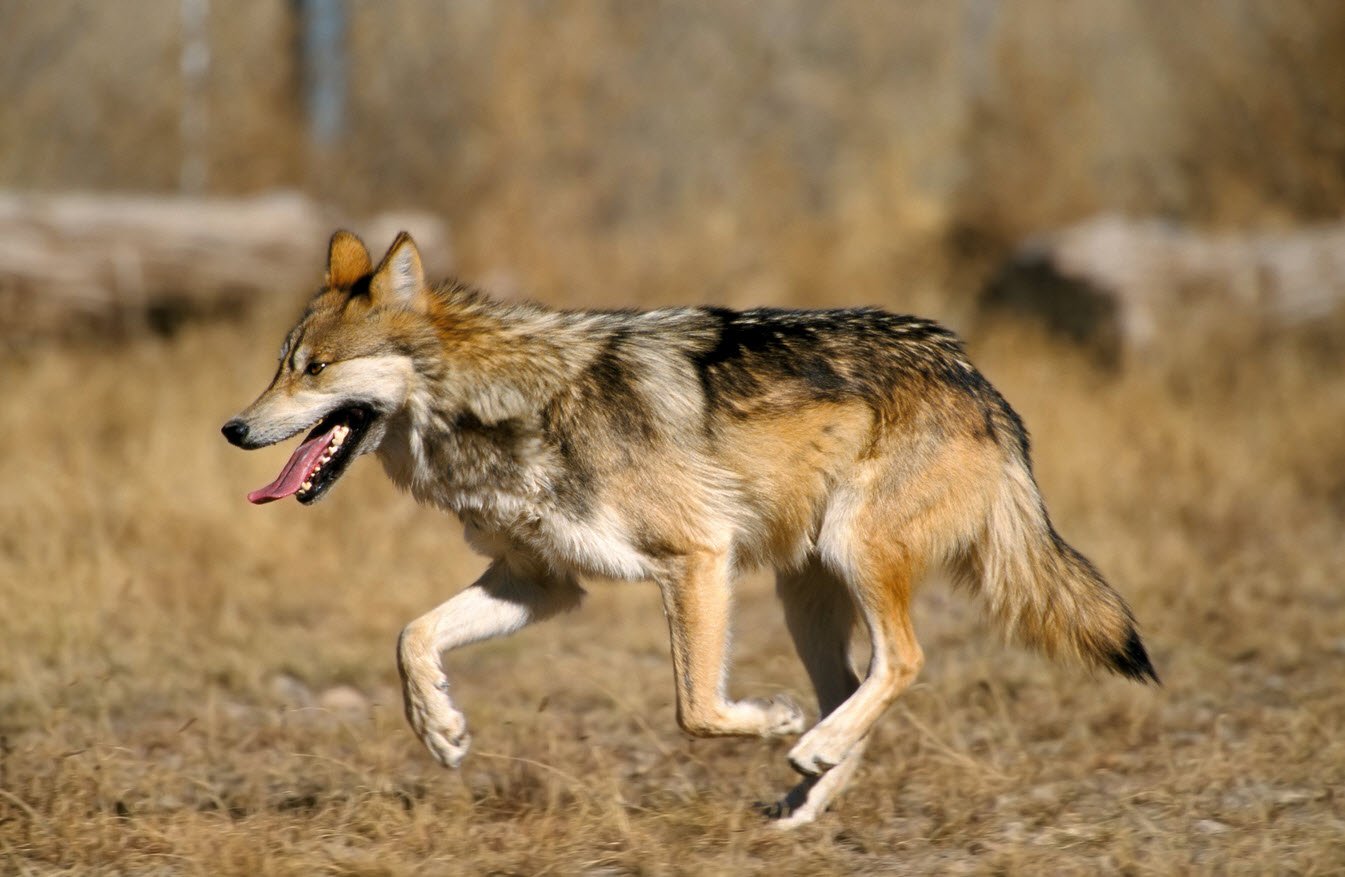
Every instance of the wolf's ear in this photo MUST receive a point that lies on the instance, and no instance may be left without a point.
(399, 281)
(347, 260)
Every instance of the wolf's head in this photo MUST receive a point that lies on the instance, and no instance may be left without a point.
(346, 367)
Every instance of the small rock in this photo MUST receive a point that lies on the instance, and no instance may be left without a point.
(238, 712)
(290, 691)
(1045, 794)
(344, 699)
(1296, 796)
(1211, 826)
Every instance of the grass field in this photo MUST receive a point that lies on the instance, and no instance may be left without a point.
(191, 685)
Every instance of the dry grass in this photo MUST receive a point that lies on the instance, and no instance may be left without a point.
(171, 658)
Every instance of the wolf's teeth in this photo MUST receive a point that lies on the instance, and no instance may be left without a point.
(307, 485)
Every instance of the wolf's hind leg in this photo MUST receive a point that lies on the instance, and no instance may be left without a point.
(820, 616)
(696, 598)
(510, 595)
(880, 582)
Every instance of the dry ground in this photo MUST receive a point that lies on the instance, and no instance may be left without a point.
(190, 685)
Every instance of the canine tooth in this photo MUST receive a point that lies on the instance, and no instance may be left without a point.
(307, 485)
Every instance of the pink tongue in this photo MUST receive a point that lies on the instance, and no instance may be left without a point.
(296, 471)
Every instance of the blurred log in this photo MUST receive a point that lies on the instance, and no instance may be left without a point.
(73, 265)
(1123, 286)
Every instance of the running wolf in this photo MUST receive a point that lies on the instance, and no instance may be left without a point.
(851, 450)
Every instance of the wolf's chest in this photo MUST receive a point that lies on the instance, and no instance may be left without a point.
(598, 544)
(510, 494)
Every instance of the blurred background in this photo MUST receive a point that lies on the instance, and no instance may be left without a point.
(1133, 211)
(630, 153)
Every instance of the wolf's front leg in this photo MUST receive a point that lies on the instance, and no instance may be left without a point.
(696, 598)
(511, 594)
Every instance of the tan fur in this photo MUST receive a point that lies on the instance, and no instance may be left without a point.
(790, 460)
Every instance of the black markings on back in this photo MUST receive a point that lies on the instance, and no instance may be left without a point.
(719, 366)
(830, 355)
(768, 350)
(772, 360)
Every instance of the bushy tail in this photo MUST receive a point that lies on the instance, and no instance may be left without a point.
(1045, 592)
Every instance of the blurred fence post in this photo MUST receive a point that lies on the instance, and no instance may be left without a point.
(194, 64)
(323, 50)
(980, 19)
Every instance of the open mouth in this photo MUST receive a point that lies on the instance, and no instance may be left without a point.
(322, 458)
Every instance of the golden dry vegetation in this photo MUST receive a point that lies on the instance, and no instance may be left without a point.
(191, 685)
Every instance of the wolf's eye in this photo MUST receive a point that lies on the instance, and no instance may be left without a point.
(314, 369)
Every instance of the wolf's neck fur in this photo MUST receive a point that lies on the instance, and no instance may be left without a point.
(472, 438)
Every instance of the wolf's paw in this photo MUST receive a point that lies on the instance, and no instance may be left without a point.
(818, 752)
(790, 821)
(439, 726)
(793, 809)
(779, 716)
(448, 749)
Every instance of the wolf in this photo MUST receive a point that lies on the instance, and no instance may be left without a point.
(854, 451)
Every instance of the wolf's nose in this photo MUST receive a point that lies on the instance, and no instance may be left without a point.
(235, 431)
